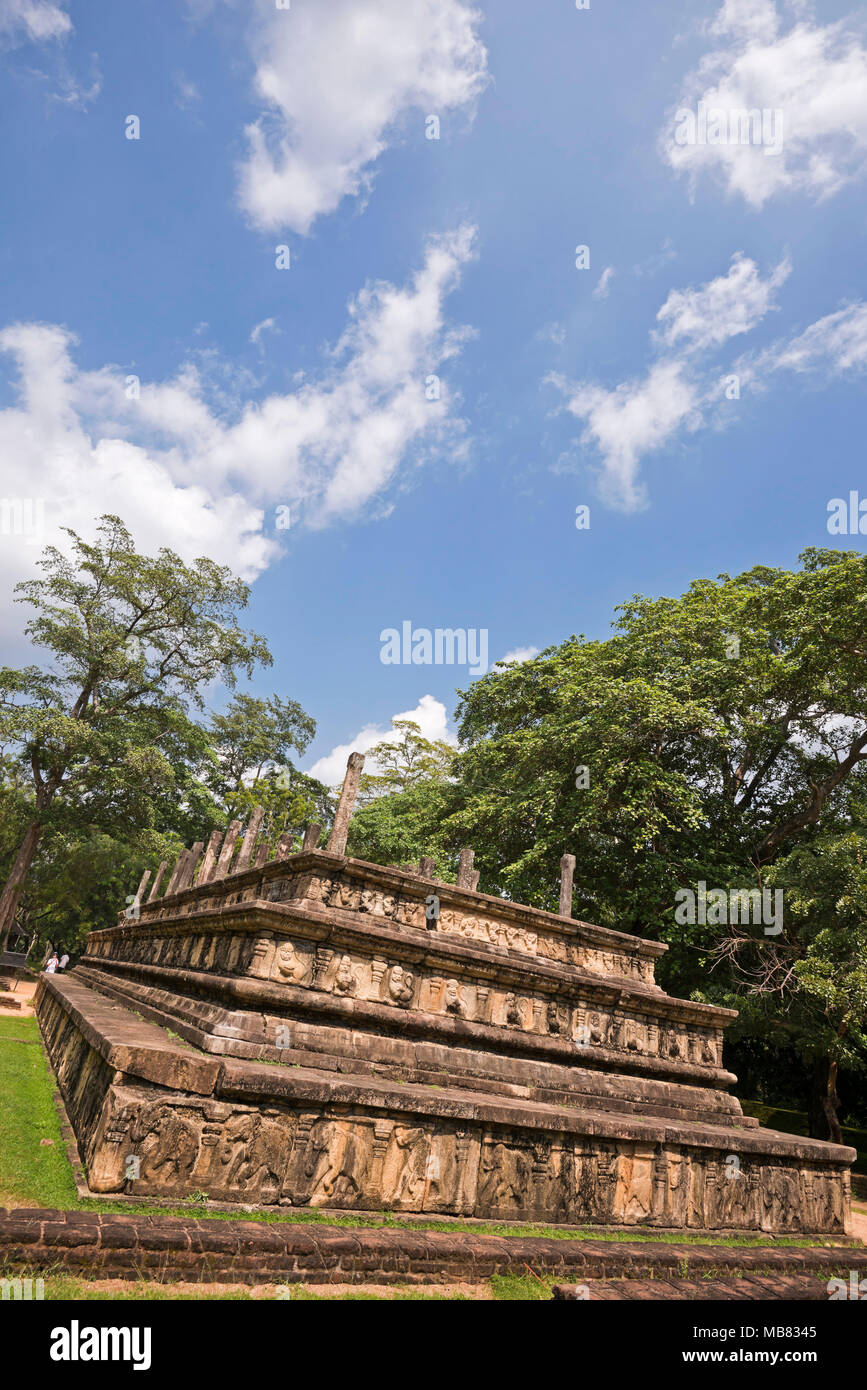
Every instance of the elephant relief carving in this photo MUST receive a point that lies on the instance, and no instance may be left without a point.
(255, 1153)
(169, 1146)
(505, 1178)
(406, 1166)
(336, 1163)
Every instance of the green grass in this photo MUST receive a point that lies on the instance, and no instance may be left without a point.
(30, 1172)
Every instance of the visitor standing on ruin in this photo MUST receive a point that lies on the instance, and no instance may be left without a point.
(51, 963)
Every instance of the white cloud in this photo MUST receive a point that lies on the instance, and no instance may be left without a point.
(814, 75)
(835, 343)
(267, 325)
(36, 20)
(630, 421)
(335, 77)
(721, 309)
(604, 283)
(431, 717)
(520, 654)
(643, 415)
(198, 477)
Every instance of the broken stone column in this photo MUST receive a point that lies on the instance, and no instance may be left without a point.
(185, 877)
(136, 902)
(243, 860)
(465, 868)
(284, 845)
(226, 852)
(567, 870)
(426, 867)
(155, 886)
(311, 837)
(176, 871)
(210, 860)
(348, 793)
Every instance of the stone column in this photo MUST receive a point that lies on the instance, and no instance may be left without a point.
(348, 793)
(284, 845)
(185, 877)
(567, 869)
(226, 852)
(465, 868)
(155, 886)
(311, 837)
(210, 860)
(426, 867)
(176, 871)
(243, 860)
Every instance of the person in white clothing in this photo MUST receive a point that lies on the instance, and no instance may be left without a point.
(52, 964)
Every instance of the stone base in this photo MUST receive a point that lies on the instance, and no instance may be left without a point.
(155, 1116)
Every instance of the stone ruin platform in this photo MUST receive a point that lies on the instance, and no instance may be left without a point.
(296, 1031)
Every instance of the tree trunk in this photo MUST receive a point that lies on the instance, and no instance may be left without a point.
(825, 1103)
(18, 873)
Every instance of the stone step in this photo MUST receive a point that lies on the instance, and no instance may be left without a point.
(422, 1062)
(165, 1248)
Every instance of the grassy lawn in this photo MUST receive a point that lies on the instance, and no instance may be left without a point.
(31, 1172)
(36, 1174)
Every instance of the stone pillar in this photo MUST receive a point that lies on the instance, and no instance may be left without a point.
(567, 869)
(143, 885)
(311, 836)
(348, 793)
(243, 860)
(210, 860)
(284, 845)
(426, 867)
(176, 872)
(185, 877)
(225, 858)
(465, 868)
(155, 886)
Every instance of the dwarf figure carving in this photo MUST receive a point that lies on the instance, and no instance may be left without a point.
(454, 1004)
(400, 983)
(553, 1017)
(514, 1012)
(345, 982)
(286, 962)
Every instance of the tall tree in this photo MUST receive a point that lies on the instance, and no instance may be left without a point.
(710, 737)
(132, 641)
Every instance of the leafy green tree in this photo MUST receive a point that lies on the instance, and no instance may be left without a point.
(405, 761)
(132, 642)
(709, 737)
(402, 827)
(253, 740)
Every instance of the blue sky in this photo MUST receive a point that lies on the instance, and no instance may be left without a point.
(260, 387)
